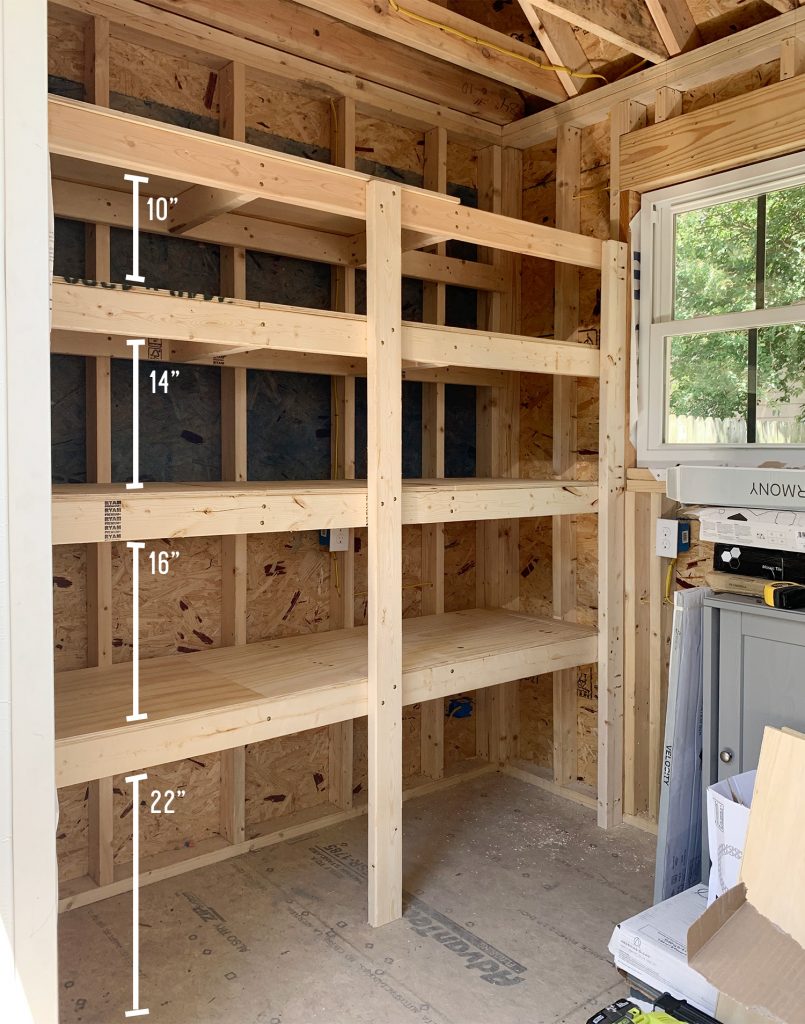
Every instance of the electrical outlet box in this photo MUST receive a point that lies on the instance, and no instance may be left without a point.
(339, 539)
(667, 538)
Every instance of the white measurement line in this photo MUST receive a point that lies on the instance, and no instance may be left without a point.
(136, 180)
(136, 344)
(136, 715)
(136, 1010)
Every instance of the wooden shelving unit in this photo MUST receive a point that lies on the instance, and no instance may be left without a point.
(240, 196)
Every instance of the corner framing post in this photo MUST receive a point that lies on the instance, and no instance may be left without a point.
(28, 887)
(433, 412)
(565, 454)
(234, 467)
(342, 464)
(99, 470)
(384, 472)
(611, 554)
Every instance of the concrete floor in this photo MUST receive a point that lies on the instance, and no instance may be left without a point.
(511, 897)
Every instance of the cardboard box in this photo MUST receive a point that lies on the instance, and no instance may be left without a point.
(728, 804)
(750, 943)
(781, 529)
(651, 947)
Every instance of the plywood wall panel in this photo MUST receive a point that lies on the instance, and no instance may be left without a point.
(179, 613)
(69, 606)
(196, 814)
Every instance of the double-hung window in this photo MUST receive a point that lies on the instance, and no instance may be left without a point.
(721, 354)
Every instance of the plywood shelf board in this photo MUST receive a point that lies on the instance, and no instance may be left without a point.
(225, 697)
(93, 513)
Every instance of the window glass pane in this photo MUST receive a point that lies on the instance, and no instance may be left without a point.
(781, 385)
(715, 259)
(785, 247)
(707, 378)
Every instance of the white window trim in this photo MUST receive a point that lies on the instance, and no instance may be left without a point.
(656, 323)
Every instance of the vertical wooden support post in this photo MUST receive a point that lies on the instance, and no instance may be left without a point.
(234, 549)
(433, 413)
(497, 447)
(342, 461)
(792, 58)
(565, 453)
(611, 488)
(384, 481)
(99, 470)
(667, 104)
(659, 636)
(627, 116)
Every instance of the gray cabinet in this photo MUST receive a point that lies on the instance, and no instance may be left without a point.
(754, 676)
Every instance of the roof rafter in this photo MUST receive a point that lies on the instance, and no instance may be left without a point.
(559, 42)
(437, 31)
(635, 34)
(675, 24)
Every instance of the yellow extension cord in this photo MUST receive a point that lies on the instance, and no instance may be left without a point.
(457, 32)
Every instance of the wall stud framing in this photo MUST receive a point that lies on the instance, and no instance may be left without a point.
(433, 422)
(612, 484)
(565, 455)
(342, 563)
(234, 441)
(384, 480)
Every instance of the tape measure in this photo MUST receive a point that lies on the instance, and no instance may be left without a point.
(784, 595)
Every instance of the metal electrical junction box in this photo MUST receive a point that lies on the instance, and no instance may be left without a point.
(733, 485)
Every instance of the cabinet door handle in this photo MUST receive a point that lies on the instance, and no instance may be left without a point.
(726, 755)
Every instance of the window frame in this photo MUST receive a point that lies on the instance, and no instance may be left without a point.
(655, 310)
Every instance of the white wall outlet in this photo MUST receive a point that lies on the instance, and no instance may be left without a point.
(339, 539)
(667, 536)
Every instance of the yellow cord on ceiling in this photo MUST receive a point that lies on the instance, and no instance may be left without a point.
(399, 9)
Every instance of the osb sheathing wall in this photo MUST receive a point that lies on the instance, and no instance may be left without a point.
(539, 203)
(288, 574)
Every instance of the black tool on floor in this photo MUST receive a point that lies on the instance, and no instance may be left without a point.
(623, 1011)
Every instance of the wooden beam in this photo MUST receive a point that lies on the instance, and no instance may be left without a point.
(234, 467)
(747, 129)
(226, 326)
(92, 513)
(103, 206)
(632, 30)
(737, 52)
(792, 58)
(99, 469)
(565, 455)
(342, 462)
(667, 104)
(612, 484)
(384, 465)
(200, 204)
(558, 40)
(626, 117)
(498, 56)
(675, 23)
(433, 414)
